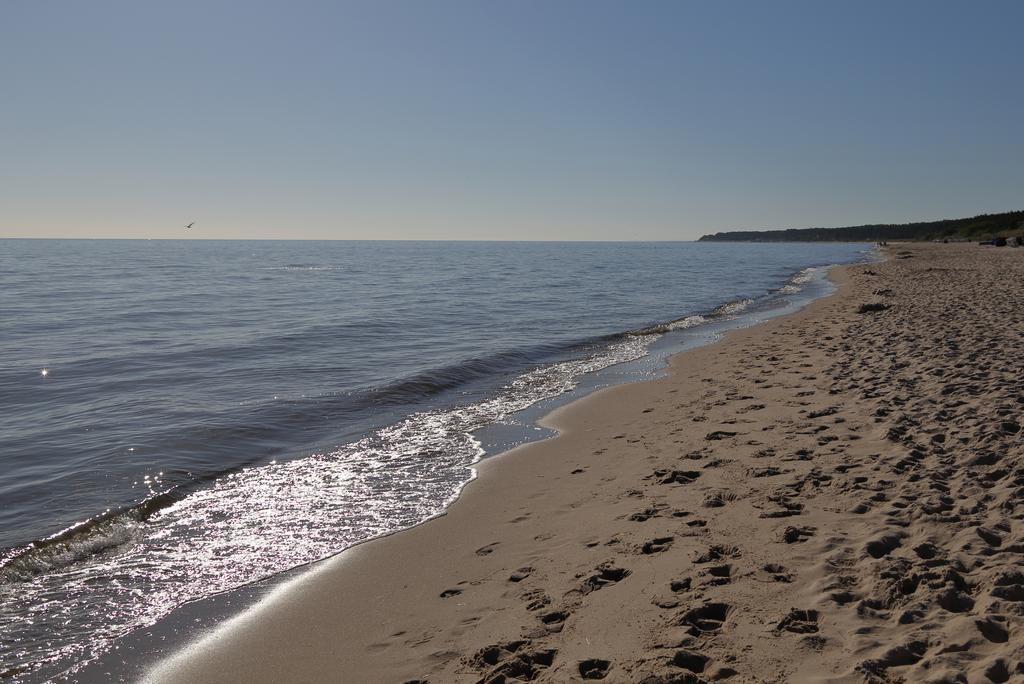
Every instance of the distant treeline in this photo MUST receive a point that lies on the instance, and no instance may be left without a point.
(974, 228)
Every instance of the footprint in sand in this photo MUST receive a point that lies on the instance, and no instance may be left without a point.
(676, 476)
(520, 574)
(512, 660)
(777, 573)
(796, 535)
(594, 668)
(706, 619)
(800, 622)
(718, 575)
(605, 576)
(716, 553)
(691, 661)
(555, 620)
(656, 545)
(487, 550)
(647, 513)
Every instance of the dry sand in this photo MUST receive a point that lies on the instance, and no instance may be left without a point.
(832, 495)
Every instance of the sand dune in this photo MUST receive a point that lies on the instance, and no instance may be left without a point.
(830, 496)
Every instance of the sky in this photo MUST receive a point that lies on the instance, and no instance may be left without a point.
(516, 120)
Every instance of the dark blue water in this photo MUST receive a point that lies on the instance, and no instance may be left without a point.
(179, 418)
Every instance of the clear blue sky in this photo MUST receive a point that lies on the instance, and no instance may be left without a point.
(512, 120)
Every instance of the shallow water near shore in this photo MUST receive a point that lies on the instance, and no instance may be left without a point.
(216, 413)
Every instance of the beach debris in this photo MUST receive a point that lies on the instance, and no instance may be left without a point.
(871, 307)
(719, 434)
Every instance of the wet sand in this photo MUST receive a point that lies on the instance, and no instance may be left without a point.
(832, 495)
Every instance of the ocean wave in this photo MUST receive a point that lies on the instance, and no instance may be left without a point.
(678, 324)
(74, 544)
(188, 543)
(732, 308)
(795, 282)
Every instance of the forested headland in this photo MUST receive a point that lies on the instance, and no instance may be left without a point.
(978, 227)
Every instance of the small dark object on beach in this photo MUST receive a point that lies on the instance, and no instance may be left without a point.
(719, 434)
(872, 306)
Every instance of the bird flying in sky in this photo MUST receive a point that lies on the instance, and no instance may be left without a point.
(191, 224)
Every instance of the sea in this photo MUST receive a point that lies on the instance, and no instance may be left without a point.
(182, 418)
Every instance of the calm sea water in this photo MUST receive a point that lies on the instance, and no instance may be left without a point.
(179, 418)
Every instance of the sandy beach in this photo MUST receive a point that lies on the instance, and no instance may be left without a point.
(833, 495)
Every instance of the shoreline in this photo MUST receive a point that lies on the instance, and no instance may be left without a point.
(167, 669)
(701, 555)
(133, 653)
(197, 565)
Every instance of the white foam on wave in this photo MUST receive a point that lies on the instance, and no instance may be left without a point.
(801, 277)
(733, 308)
